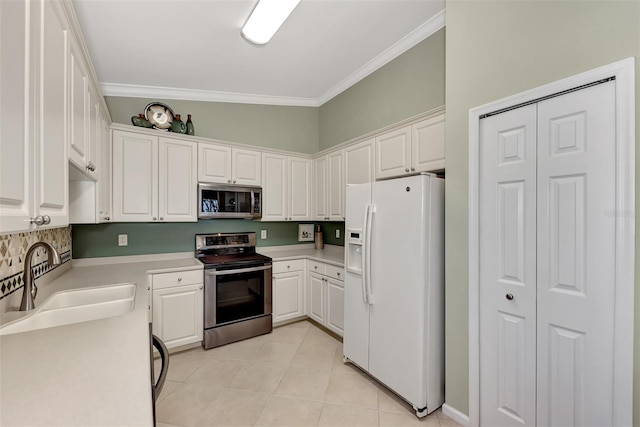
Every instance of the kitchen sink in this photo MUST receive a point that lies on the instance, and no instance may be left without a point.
(75, 306)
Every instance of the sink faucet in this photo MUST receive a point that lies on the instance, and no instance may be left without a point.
(30, 289)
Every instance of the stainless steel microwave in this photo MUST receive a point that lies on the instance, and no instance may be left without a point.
(229, 201)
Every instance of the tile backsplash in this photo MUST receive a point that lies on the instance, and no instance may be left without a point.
(13, 248)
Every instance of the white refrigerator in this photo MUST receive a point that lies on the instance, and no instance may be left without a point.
(394, 286)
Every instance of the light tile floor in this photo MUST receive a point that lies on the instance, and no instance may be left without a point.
(292, 377)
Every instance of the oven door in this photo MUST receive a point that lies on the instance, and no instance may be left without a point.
(236, 294)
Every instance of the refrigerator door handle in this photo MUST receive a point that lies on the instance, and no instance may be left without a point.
(364, 254)
(367, 243)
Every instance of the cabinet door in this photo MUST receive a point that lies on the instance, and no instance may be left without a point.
(427, 145)
(288, 296)
(178, 181)
(320, 211)
(335, 186)
(51, 155)
(358, 163)
(93, 131)
(335, 306)
(316, 297)
(299, 189)
(135, 177)
(104, 170)
(246, 167)
(15, 149)
(178, 315)
(393, 153)
(214, 163)
(78, 94)
(274, 187)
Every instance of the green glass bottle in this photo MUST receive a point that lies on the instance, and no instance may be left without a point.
(178, 126)
(190, 130)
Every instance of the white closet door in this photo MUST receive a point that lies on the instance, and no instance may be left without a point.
(576, 257)
(508, 268)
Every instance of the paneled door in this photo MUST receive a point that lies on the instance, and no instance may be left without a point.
(548, 261)
(508, 283)
(178, 179)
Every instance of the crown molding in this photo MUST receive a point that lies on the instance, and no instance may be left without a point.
(138, 91)
(425, 30)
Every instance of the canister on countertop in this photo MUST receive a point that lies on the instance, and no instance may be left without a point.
(319, 240)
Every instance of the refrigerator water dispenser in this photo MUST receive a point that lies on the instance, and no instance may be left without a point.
(354, 251)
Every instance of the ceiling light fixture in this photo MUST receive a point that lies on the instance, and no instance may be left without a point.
(266, 19)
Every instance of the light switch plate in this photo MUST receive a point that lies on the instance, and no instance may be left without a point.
(263, 234)
(122, 240)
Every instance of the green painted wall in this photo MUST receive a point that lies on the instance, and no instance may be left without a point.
(407, 86)
(286, 128)
(101, 240)
(496, 49)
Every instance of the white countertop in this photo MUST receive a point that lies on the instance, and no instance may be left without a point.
(330, 254)
(90, 373)
(97, 372)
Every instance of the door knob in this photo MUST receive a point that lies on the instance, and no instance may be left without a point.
(509, 297)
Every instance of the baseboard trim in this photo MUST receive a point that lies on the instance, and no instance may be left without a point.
(455, 415)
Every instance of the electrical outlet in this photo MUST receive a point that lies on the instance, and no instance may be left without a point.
(122, 240)
(337, 233)
(263, 234)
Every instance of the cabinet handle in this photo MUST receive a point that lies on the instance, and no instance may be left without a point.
(406, 170)
(179, 279)
(161, 218)
(229, 181)
(509, 297)
(201, 287)
(234, 181)
(106, 218)
(39, 220)
(315, 266)
(413, 169)
(155, 219)
(338, 274)
(148, 288)
(46, 219)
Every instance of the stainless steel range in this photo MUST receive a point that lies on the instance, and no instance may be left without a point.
(237, 288)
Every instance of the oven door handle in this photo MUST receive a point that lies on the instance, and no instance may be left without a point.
(236, 270)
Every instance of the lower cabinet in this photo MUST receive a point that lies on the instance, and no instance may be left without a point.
(177, 308)
(288, 290)
(326, 296)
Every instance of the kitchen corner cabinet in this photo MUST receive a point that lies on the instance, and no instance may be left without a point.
(326, 295)
(33, 83)
(229, 165)
(411, 149)
(328, 186)
(154, 178)
(286, 185)
(288, 290)
(177, 307)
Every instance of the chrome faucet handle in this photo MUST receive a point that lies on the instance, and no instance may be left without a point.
(34, 289)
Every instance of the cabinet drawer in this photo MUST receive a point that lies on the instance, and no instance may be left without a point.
(166, 280)
(285, 266)
(317, 267)
(335, 272)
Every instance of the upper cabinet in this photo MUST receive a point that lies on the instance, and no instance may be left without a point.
(328, 185)
(154, 179)
(286, 188)
(358, 163)
(33, 83)
(229, 165)
(411, 149)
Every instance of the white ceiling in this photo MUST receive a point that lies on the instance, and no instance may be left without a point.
(192, 49)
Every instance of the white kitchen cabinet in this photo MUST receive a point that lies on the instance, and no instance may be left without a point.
(358, 162)
(288, 290)
(427, 144)
(328, 187)
(335, 306)
(33, 150)
(177, 310)
(316, 297)
(286, 184)
(154, 179)
(411, 149)
(229, 165)
(104, 169)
